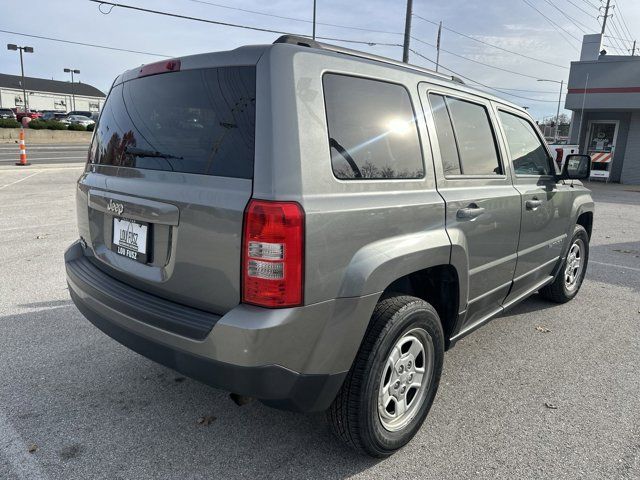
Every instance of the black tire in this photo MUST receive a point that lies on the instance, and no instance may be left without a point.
(559, 291)
(353, 415)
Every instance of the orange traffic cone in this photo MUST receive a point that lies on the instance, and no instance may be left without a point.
(23, 150)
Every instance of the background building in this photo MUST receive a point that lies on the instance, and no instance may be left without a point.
(46, 94)
(604, 95)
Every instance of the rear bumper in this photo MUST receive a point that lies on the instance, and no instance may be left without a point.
(295, 359)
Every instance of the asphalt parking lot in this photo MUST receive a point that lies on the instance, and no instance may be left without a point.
(74, 404)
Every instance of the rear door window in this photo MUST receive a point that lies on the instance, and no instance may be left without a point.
(192, 121)
(528, 155)
(372, 129)
(465, 136)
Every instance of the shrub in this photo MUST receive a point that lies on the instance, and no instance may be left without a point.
(91, 127)
(55, 125)
(77, 128)
(9, 123)
(38, 124)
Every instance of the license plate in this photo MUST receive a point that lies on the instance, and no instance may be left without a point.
(130, 239)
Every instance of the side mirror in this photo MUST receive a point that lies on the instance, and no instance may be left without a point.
(576, 167)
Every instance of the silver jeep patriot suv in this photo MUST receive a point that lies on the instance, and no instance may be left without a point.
(313, 226)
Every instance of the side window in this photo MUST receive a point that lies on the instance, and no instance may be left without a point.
(528, 154)
(372, 129)
(466, 138)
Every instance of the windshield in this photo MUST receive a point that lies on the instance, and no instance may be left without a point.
(203, 121)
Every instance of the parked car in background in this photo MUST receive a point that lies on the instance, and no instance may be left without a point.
(53, 115)
(7, 113)
(32, 114)
(84, 113)
(77, 120)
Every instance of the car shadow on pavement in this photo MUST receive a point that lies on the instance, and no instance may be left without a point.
(94, 402)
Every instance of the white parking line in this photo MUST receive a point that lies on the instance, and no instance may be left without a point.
(614, 265)
(14, 451)
(21, 180)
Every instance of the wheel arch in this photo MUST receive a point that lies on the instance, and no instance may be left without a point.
(439, 285)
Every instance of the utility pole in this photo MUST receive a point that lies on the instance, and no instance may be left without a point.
(407, 32)
(314, 20)
(606, 15)
(438, 45)
(633, 50)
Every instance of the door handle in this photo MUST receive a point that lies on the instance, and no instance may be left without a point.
(533, 203)
(472, 211)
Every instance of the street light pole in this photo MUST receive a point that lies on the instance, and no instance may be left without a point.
(558, 111)
(11, 46)
(561, 82)
(73, 94)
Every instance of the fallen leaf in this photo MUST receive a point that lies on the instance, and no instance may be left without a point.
(206, 420)
(32, 448)
(551, 406)
(543, 329)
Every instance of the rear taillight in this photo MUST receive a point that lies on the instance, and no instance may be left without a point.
(272, 254)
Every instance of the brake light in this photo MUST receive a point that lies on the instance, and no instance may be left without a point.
(164, 66)
(272, 254)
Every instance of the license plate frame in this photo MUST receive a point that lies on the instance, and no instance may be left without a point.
(130, 239)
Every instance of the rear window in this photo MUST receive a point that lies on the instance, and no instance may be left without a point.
(193, 121)
(372, 129)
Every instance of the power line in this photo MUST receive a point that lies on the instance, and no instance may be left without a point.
(85, 44)
(621, 32)
(490, 44)
(482, 84)
(581, 9)
(579, 25)
(614, 37)
(591, 4)
(527, 91)
(187, 17)
(623, 20)
(476, 61)
(557, 27)
(350, 27)
(234, 25)
(619, 43)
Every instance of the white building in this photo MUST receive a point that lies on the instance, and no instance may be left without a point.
(43, 94)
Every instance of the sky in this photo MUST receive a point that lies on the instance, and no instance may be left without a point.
(511, 24)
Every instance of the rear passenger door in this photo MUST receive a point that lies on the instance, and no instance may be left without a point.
(482, 206)
(545, 204)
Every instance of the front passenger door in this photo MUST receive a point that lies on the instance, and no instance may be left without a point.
(545, 204)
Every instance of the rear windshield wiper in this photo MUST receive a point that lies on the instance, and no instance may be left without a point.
(141, 152)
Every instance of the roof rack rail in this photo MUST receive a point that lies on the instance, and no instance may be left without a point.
(308, 42)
